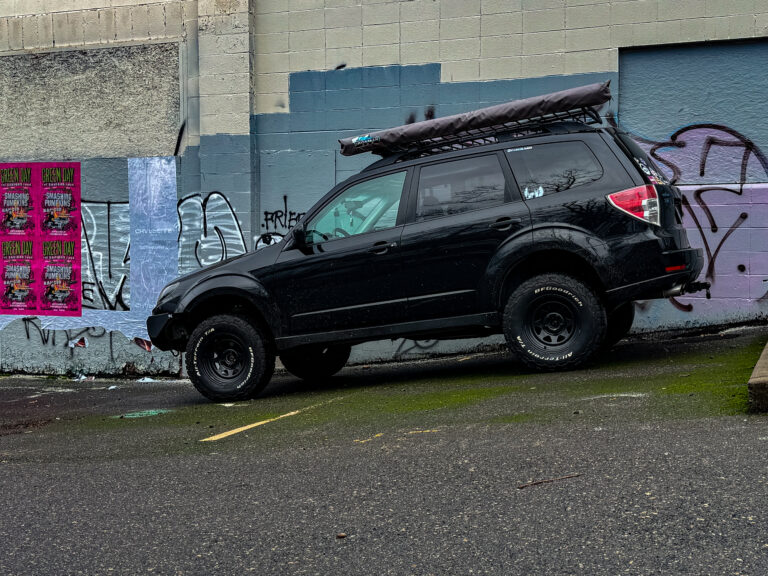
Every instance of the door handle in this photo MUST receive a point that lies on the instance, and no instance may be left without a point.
(382, 247)
(504, 223)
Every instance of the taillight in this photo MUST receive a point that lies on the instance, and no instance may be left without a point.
(641, 202)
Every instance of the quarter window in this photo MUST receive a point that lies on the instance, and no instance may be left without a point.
(459, 186)
(550, 168)
(366, 207)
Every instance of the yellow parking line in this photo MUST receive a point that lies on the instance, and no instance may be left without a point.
(255, 424)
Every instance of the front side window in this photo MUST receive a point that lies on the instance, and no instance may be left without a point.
(550, 168)
(366, 207)
(459, 186)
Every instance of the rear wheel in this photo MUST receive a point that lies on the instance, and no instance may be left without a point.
(554, 322)
(315, 362)
(228, 358)
(619, 323)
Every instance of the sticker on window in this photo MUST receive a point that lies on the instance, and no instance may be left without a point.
(520, 149)
(535, 193)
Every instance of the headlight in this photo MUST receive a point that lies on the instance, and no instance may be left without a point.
(167, 291)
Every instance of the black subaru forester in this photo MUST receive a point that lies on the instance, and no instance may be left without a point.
(528, 219)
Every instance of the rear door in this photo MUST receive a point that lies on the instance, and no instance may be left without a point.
(459, 212)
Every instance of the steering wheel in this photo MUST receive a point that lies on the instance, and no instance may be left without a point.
(340, 233)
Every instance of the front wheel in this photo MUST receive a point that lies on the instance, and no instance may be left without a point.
(315, 362)
(554, 322)
(228, 358)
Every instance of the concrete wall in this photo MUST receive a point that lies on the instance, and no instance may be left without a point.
(252, 96)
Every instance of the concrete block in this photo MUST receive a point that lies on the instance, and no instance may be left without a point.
(224, 64)
(501, 46)
(420, 95)
(29, 36)
(381, 13)
(668, 32)
(544, 42)
(173, 19)
(307, 20)
(419, 10)
(634, 11)
(381, 55)
(346, 79)
(269, 103)
(267, 6)
(585, 2)
(270, 83)
(123, 28)
(681, 9)
(495, 68)
(225, 123)
(465, 92)
(271, 43)
(542, 4)
(304, 81)
(761, 24)
(758, 384)
(156, 21)
(91, 27)
(461, 71)
(224, 84)
(543, 65)
(270, 63)
(224, 44)
(381, 96)
(459, 8)
(588, 38)
(344, 17)
(741, 26)
(140, 22)
(343, 37)
(420, 52)
(295, 5)
(622, 35)
(730, 7)
(543, 20)
(426, 74)
(423, 31)
(459, 49)
(4, 45)
(381, 76)
(344, 99)
(306, 60)
(107, 30)
(455, 28)
(587, 16)
(273, 23)
(501, 24)
(645, 33)
(717, 28)
(339, 3)
(306, 40)
(500, 6)
(61, 32)
(381, 34)
(310, 101)
(606, 60)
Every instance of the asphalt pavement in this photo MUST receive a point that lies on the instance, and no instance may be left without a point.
(648, 462)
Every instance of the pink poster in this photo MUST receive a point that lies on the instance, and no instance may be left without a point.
(40, 239)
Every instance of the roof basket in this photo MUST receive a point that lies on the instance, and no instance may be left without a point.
(483, 126)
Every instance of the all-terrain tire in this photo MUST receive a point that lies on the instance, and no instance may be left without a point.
(229, 358)
(554, 322)
(619, 323)
(315, 362)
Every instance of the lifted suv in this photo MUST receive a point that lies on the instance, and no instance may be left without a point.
(538, 225)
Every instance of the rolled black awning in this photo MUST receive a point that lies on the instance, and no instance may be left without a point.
(391, 140)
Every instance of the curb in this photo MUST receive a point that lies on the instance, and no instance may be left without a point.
(758, 384)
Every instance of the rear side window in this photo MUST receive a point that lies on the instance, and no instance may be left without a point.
(544, 169)
(642, 160)
(459, 186)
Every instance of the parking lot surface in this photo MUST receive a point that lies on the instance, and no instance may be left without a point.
(646, 463)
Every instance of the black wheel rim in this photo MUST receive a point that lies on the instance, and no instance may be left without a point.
(223, 359)
(552, 322)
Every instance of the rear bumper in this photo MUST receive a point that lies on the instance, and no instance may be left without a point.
(165, 331)
(682, 267)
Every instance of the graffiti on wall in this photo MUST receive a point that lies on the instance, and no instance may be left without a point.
(106, 255)
(723, 175)
(209, 230)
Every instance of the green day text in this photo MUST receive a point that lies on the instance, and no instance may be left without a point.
(15, 176)
(15, 248)
(58, 175)
(58, 248)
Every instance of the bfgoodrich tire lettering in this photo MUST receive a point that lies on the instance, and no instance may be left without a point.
(228, 358)
(554, 322)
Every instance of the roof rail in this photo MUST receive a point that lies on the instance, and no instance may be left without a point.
(485, 125)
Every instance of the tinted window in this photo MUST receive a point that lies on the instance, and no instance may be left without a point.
(549, 168)
(459, 186)
(643, 161)
(365, 207)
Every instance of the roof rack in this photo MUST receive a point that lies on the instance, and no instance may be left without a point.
(483, 126)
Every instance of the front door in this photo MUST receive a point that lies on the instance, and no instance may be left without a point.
(349, 277)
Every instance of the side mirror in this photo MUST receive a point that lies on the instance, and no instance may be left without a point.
(300, 237)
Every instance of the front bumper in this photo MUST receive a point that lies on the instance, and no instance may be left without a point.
(166, 331)
(683, 268)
